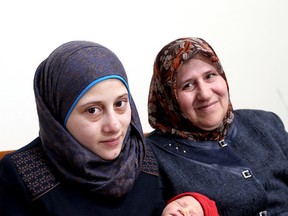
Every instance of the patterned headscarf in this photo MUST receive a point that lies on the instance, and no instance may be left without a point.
(163, 108)
(59, 82)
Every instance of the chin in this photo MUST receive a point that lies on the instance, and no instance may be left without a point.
(111, 156)
(208, 127)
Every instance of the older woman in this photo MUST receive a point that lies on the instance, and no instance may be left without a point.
(239, 158)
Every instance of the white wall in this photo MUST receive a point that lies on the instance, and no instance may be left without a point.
(249, 36)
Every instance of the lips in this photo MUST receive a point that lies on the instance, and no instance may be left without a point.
(206, 106)
(112, 141)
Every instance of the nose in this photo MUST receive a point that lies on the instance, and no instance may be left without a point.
(204, 92)
(111, 123)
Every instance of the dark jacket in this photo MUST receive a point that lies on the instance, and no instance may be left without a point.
(245, 174)
(29, 186)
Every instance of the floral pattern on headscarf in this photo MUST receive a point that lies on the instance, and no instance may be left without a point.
(58, 81)
(163, 109)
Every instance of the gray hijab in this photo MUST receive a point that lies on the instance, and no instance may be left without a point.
(59, 82)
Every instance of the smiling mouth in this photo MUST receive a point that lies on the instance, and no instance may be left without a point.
(206, 107)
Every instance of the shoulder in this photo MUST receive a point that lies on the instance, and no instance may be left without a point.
(157, 136)
(150, 165)
(253, 112)
(247, 113)
(30, 166)
(261, 125)
(259, 117)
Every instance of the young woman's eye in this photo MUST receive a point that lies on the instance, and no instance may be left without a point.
(93, 110)
(121, 103)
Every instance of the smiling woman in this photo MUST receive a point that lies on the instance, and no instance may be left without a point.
(202, 93)
(235, 156)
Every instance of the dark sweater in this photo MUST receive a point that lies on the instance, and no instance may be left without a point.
(30, 187)
(247, 176)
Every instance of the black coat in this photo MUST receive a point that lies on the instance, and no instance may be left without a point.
(247, 176)
(30, 187)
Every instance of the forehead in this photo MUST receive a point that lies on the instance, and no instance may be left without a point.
(195, 64)
(110, 82)
(199, 58)
(104, 90)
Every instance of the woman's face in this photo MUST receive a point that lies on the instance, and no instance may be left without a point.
(101, 118)
(202, 93)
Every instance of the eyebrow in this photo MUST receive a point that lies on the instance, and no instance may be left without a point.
(98, 101)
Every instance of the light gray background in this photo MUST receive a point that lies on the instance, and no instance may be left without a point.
(249, 36)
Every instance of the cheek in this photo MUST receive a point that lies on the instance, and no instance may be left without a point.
(221, 88)
(223, 93)
(185, 101)
(87, 134)
(125, 120)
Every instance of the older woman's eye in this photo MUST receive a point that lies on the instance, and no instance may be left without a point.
(188, 86)
(211, 75)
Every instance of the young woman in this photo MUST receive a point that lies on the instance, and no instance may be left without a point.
(90, 157)
(239, 158)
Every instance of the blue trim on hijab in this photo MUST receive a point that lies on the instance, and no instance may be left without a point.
(90, 86)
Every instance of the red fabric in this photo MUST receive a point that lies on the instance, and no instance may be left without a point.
(208, 205)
